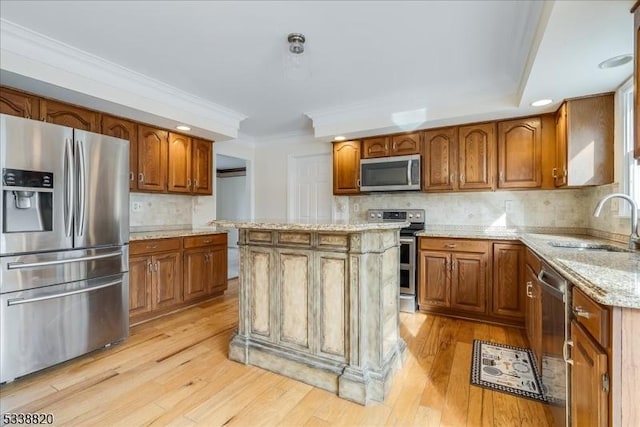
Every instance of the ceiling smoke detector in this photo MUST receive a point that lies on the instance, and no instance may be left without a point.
(296, 43)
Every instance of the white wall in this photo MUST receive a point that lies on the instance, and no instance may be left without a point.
(271, 172)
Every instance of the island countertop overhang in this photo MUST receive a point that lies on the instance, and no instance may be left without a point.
(329, 226)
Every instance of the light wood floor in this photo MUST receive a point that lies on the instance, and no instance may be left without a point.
(174, 371)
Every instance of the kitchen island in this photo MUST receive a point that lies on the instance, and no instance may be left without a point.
(319, 303)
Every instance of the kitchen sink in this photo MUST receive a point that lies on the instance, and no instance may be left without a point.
(584, 246)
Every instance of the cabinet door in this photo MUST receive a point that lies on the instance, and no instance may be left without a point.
(439, 160)
(152, 159)
(346, 167)
(167, 289)
(125, 129)
(202, 167)
(375, 147)
(520, 153)
(218, 265)
(140, 270)
(476, 156)
(63, 114)
(179, 174)
(508, 293)
(19, 104)
(434, 278)
(196, 273)
(560, 171)
(589, 401)
(469, 282)
(403, 145)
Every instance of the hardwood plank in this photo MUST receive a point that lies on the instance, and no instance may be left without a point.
(175, 371)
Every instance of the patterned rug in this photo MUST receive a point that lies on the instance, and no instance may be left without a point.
(506, 368)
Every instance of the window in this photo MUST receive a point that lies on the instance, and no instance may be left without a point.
(630, 167)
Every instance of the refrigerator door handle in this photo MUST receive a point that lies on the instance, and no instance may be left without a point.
(81, 187)
(19, 265)
(68, 189)
(17, 301)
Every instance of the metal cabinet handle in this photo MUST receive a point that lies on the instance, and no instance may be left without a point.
(155, 266)
(565, 351)
(554, 173)
(453, 265)
(453, 177)
(131, 176)
(461, 178)
(152, 246)
(141, 177)
(150, 268)
(530, 289)
(188, 183)
(501, 176)
(451, 245)
(196, 184)
(581, 312)
(208, 241)
(358, 182)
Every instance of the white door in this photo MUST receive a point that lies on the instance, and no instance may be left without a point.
(310, 188)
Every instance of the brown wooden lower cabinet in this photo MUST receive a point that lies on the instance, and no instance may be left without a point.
(472, 278)
(453, 275)
(508, 294)
(164, 277)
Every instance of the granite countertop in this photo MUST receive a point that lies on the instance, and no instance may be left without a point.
(610, 278)
(168, 233)
(335, 226)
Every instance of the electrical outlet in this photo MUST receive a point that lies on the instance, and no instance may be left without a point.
(508, 206)
(136, 206)
(356, 207)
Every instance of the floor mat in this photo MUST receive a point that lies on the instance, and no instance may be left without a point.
(506, 368)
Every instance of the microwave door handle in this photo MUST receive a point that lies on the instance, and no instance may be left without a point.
(409, 171)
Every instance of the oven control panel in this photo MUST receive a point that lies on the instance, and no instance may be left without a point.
(390, 215)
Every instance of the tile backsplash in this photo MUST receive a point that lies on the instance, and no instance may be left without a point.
(512, 209)
(159, 210)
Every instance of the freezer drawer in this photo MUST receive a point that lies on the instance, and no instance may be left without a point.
(42, 327)
(30, 271)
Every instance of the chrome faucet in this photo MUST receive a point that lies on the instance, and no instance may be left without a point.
(634, 238)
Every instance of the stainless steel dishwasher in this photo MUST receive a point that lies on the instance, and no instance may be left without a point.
(555, 335)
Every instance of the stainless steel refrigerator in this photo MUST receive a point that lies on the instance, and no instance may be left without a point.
(64, 281)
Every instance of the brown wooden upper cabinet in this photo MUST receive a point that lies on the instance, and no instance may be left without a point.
(476, 156)
(124, 129)
(395, 145)
(584, 141)
(202, 167)
(179, 176)
(439, 165)
(64, 114)
(520, 153)
(19, 104)
(152, 159)
(346, 167)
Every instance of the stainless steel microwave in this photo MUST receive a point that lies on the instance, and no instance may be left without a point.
(390, 173)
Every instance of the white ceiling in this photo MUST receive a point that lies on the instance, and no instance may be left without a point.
(450, 61)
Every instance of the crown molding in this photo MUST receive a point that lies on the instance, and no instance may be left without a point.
(34, 55)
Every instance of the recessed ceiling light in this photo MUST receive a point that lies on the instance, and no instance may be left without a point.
(616, 61)
(541, 102)
(339, 138)
(183, 127)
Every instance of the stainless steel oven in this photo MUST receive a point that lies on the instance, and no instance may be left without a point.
(408, 250)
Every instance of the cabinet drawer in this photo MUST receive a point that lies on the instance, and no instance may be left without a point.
(153, 246)
(205, 240)
(454, 245)
(533, 261)
(591, 315)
